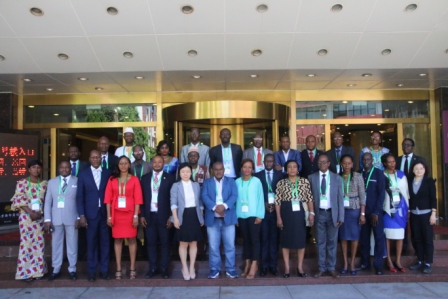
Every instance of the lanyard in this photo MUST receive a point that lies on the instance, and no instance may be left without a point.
(368, 179)
(59, 189)
(377, 156)
(227, 154)
(130, 152)
(267, 182)
(155, 186)
(141, 171)
(29, 188)
(247, 189)
(347, 185)
(194, 172)
(327, 184)
(295, 189)
(120, 184)
(390, 180)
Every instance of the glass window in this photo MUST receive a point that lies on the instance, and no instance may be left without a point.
(421, 135)
(302, 131)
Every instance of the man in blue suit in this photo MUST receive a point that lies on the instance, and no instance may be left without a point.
(219, 195)
(285, 154)
(269, 231)
(92, 212)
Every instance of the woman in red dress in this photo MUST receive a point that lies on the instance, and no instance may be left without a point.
(123, 199)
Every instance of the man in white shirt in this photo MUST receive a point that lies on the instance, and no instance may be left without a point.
(107, 161)
(227, 153)
(128, 148)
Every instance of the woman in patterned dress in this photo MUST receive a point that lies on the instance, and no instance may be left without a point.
(375, 149)
(29, 201)
(170, 163)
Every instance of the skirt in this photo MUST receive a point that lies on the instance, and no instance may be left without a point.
(350, 230)
(190, 229)
(293, 234)
(123, 228)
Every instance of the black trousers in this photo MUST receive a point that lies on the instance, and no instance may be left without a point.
(269, 240)
(251, 238)
(380, 243)
(156, 231)
(422, 237)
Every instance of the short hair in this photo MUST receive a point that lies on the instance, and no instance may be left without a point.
(288, 162)
(244, 161)
(384, 158)
(409, 139)
(378, 132)
(182, 166)
(34, 162)
(425, 166)
(269, 155)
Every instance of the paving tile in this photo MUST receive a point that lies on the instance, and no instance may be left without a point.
(184, 292)
(439, 288)
(334, 291)
(394, 290)
(7, 293)
(255, 292)
(48, 293)
(117, 293)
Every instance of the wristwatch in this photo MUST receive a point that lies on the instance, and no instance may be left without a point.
(312, 213)
(363, 214)
(135, 216)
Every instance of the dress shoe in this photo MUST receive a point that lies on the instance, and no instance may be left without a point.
(333, 273)
(165, 273)
(286, 275)
(151, 273)
(73, 276)
(92, 277)
(319, 274)
(417, 266)
(105, 276)
(427, 269)
(299, 274)
(363, 268)
(263, 271)
(54, 276)
(379, 272)
(273, 271)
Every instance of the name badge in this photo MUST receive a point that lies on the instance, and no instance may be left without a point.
(323, 201)
(219, 200)
(35, 205)
(395, 196)
(295, 205)
(346, 202)
(61, 202)
(121, 202)
(271, 197)
(245, 208)
(338, 168)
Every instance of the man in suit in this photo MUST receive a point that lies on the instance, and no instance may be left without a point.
(408, 158)
(61, 214)
(127, 149)
(76, 165)
(93, 216)
(156, 214)
(337, 152)
(257, 152)
(139, 167)
(107, 161)
(309, 156)
(199, 172)
(204, 158)
(375, 182)
(269, 231)
(326, 187)
(286, 153)
(219, 195)
(227, 153)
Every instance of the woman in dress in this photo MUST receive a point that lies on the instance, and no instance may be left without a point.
(396, 203)
(28, 199)
(354, 194)
(123, 198)
(250, 212)
(423, 206)
(290, 194)
(187, 209)
(375, 149)
(170, 163)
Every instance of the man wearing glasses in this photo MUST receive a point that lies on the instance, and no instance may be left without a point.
(408, 158)
(204, 158)
(337, 152)
(139, 167)
(257, 152)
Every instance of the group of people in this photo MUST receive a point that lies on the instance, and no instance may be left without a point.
(272, 198)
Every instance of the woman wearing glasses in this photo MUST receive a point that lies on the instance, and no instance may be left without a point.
(375, 149)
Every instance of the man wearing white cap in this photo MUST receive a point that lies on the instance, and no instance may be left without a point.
(199, 172)
(127, 150)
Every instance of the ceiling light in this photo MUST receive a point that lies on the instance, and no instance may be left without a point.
(311, 75)
(257, 52)
(351, 85)
(49, 89)
(322, 52)
(112, 10)
(139, 77)
(410, 7)
(349, 133)
(254, 76)
(410, 102)
(187, 9)
(344, 102)
(400, 85)
(2, 57)
(128, 54)
(35, 11)
(387, 110)
(262, 8)
(336, 8)
(422, 75)
(346, 125)
(372, 114)
(192, 53)
(378, 125)
(337, 128)
(324, 115)
(196, 77)
(99, 88)
(386, 52)
(83, 79)
(367, 75)
(30, 106)
(27, 80)
(63, 56)
(56, 114)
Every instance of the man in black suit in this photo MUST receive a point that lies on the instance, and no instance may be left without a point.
(309, 156)
(408, 158)
(269, 178)
(227, 153)
(337, 152)
(155, 217)
(108, 160)
(77, 165)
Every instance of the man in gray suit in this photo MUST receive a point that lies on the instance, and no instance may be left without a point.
(257, 152)
(326, 187)
(204, 158)
(61, 218)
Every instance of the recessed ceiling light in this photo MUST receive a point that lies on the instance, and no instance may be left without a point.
(187, 9)
(49, 89)
(344, 102)
(262, 8)
(411, 7)
(56, 114)
(311, 75)
(27, 80)
(324, 115)
(400, 85)
(422, 75)
(336, 8)
(410, 102)
(63, 56)
(386, 52)
(128, 54)
(192, 53)
(99, 88)
(2, 57)
(196, 77)
(254, 76)
(322, 52)
(346, 125)
(378, 125)
(257, 52)
(30, 106)
(83, 79)
(112, 10)
(387, 110)
(367, 75)
(36, 11)
(351, 85)
(139, 77)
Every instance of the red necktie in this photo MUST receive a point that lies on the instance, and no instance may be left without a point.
(311, 157)
(259, 158)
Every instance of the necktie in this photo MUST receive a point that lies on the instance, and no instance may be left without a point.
(270, 178)
(97, 178)
(406, 166)
(311, 157)
(259, 158)
(104, 162)
(338, 155)
(156, 177)
(74, 168)
(323, 184)
(64, 186)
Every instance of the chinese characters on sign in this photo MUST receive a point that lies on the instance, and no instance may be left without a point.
(13, 160)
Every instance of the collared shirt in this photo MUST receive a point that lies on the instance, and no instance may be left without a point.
(154, 207)
(403, 159)
(67, 178)
(219, 185)
(285, 155)
(97, 171)
(190, 201)
(227, 160)
(327, 177)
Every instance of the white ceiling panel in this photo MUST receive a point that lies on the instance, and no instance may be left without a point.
(264, 75)
(404, 45)
(5, 30)
(110, 49)
(339, 46)
(174, 50)
(442, 25)
(133, 17)
(243, 17)
(187, 76)
(41, 89)
(185, 86)
(10, 88)
(310, 85)
(107, 88)
(376, 75)
(17, 58)
(207, 16)
(275, 48)
(417, 74)
(316, 16)
(59, 18)
(251, 85)
(352, 84)
(433, 52)
(93, 78)
(129, 77)
(45, 51)
(320, 75)
(37, 79)
(141, 87)
(390, 16)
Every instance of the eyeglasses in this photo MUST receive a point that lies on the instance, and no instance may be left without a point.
(138, 152)
(337, 138)
(322, 162)
(258, 139)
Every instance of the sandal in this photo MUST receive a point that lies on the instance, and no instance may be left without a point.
(118, 275)
(132, 274)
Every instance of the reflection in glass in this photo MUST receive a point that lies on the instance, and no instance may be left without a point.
(421, 135)
(302, 131)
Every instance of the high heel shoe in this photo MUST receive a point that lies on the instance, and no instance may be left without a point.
(253, 270)
(193, 274)
(392, 269)
(246, 269)
(286, 275)
(402, 270)
(186, 276)
(303, 275)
